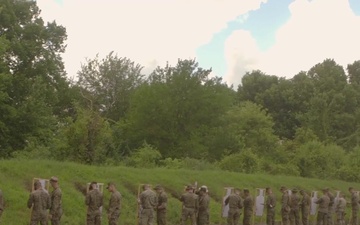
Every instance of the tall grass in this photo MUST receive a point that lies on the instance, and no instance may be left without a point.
(16, 179)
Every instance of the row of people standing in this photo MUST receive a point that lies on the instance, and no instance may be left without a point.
(292, 205)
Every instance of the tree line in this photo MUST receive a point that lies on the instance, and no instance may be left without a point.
(177, 116)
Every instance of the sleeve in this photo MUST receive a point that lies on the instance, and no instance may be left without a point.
(320, 200)
(87, 199)
(163, 201)
(48, 202)
(30, 201)
(241, 203)
(55, 203)
(110, 209)
(196, 203)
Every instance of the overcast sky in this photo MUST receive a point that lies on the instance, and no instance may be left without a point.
(279, 37)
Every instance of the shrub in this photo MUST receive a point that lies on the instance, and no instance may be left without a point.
(244, 162)
(144, 157)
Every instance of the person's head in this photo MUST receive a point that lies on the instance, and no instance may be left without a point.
(351, 190)
(237, 191)
(268, 190)
(189, 188)
(37, 185)
(283, 189)
(146, 187)
(93, 186)
(325, 191)
(302, 192)
(158, 188)
(294, 191)
(111, 187)
(246, 192)
(54, 181)
(202, 191)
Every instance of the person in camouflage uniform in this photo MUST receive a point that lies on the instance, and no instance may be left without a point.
(235, 203)
(354, 206)
(190, 205)
(56, 208)
(323, 202)
(113, 212)
(161, 206)
(331, 206)
(285, 207)
(248, 207)
(148, 202)
(270, 207)
(340, 210)
(203, 212)
(305, 207)
(1, 204)
(294, 208)
(94, 201)
(40, 202)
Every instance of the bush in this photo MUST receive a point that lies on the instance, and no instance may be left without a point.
(244, 162)
(144, 157)
(197, 164)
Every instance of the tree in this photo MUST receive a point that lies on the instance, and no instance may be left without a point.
(111, 83)
(176, 109)
(252, 129)
(32, 71)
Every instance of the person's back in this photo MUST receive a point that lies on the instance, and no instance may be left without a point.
(248, 207)
(190, 206)
(235, 203)
(94, 201)
(203, 212)
(40, 202)
(148, 201)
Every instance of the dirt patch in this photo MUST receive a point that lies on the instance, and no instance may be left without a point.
(132, 188)
(28, 185)
(173, 192)
(80, 187)
(217, 198)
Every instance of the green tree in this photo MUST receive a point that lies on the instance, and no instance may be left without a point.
(251, 128)
(33, 74)
(111, 82)
(176, 108)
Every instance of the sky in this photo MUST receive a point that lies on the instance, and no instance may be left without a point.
(278, 37)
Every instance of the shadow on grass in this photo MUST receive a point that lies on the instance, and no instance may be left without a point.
(80, 187)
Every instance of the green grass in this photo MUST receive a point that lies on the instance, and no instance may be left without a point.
(16, 178)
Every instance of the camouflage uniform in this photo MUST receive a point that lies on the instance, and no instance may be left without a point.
(355, 208)
(190, 207)
(203, 213)
(94, 201)
(161, 209)
(294, 209)
(270, 209)
(305, 208)
(331, 208)
(114, 208)
(148, 202)
(1, 204)
(340, 211)
(235, 203)
(323, 210)
(285, 208)
(40, 202)
(56, 209)
(248, 210)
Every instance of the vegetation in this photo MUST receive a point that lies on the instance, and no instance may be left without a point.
(18, 174)
(176, 117)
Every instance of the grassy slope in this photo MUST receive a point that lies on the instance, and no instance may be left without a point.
(16, 178)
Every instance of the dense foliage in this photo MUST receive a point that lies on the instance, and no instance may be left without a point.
(177, 116)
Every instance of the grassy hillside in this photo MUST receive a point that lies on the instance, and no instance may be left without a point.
(16, 179)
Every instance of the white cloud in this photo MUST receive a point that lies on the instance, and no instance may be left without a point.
(317, 29)
(149, 32)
